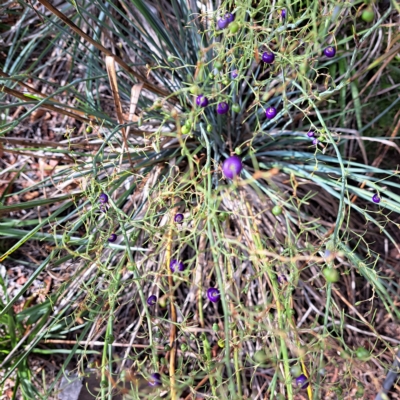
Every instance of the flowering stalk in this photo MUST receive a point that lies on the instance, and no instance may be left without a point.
(172, 333)
(141, 294)
(279, 306)
(210, 230)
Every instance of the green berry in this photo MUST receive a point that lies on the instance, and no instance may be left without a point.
(360, 391)
(260, 357)
(188, 123)
(344, 354)
(277, 210)
(171, 59)
(331, 275)
(363, 354)
(158, 335)
(222, 217)
(185, 130)
(157, 104)
(330, 245)
(221, 343)
(339, 391)
(238, 151)
(215, 327)
(368, 15)
(233, 27)
(89, 129)
(236, 107)
(226, 82)
(218, 65)
(167, 347)
(194, 89)
(209, 128)
(296, 370)
(211, 75)
(184, 346)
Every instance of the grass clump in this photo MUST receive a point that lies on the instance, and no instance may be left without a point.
(205, 206)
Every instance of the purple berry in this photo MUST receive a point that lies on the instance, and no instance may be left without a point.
(315, 141)
(178, 218)
(302, 381)
(330, 51)
(283, 14)
(222, 108)
(103, 198)
(282, 279)
(222, 23)
(234, 74)
(327, 253)
(213, 294)
(152, 300)
(268, 57)
(202, 101)
(232, 167)
(112, 238)
(155, 379)
(176, 265)
(229, 17)
(103, 208)
(311, 134)
(271, 112)
(376, 198)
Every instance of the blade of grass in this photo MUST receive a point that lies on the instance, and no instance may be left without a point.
(122, 63)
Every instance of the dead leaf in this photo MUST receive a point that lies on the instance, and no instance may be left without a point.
(112, 76)
(36, 115)
(21, 280)
(47, 169)
(30, 195)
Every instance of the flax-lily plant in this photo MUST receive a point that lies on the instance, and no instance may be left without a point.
(149, 99)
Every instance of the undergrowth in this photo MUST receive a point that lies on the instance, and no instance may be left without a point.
(99, 98)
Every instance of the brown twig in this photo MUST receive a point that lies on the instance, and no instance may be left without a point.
(112, 76)
(201, 383)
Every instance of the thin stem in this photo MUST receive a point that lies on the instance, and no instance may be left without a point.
(172, 333)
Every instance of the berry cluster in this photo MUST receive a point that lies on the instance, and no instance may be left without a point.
(176, 266)
(239, 62)
(311, 135)
(271, 61)
(103, 200)
(225, 20)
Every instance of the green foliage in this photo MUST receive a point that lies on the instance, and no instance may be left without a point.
(149, 170)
